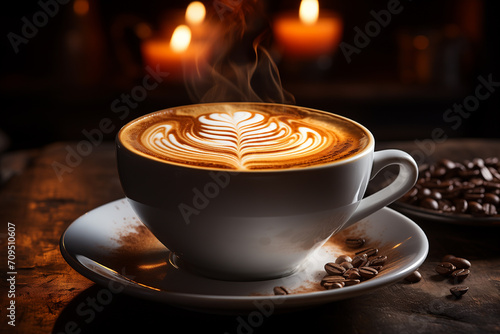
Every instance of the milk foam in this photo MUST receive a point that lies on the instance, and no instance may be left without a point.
(243, 139)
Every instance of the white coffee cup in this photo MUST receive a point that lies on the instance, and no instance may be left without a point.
(255, 224)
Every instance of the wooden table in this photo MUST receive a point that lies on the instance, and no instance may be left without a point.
(48, 291)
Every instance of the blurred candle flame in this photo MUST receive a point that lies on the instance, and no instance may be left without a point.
(81, 7)
(309, 11)
(421, 42)
(180, 38)
(195, 13)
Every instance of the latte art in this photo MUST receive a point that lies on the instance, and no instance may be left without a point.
(239, 140)
(242, 139)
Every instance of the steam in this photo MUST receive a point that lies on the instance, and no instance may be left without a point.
(233, 75)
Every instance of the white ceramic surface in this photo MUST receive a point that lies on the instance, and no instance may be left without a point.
(110, 246)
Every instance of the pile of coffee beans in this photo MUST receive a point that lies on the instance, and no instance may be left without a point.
(457, 269)
(353, 269)
(365, 264)
(470, 187)
(349, 269)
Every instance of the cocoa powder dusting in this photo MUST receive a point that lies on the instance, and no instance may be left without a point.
(138, 249)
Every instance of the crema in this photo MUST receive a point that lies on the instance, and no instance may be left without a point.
(244, 136)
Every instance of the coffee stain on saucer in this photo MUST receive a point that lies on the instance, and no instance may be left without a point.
(139, 253)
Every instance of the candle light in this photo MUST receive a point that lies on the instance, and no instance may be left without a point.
(176, 55)
(187, 49)
(195, 18)
(180, 39)
(309, 11)
(310, 34)
(195, 13)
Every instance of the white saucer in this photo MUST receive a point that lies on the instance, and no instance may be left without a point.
(110, 246)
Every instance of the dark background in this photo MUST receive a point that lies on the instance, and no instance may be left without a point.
(65, 78)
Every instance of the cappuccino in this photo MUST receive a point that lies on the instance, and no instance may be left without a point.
(244, 136)
(300, 175)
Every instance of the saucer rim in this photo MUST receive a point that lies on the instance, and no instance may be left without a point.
(207, 302)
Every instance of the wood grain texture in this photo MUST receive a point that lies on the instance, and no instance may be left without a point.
(41, 207)
(52, 297)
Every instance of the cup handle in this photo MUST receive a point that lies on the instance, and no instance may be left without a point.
(408, 174)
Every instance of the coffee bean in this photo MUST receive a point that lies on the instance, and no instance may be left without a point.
(459, 291)
(473, 196)
(438, 172)
(410, 194)
(436, 195)
(460, 274)
(331, 286)
(475, 207)
(377, 268)
(445, 268)
(429, 203)
(492, 185)
(448, 164)
(280, 290)
(368, 272)
(377, 261)
(432, 183)
(444, 185)
(466, 186)
(491, 161)
(447, 258)
(422, 168)
(461, 205)
(359, 260)
(478, 182)
(343, 258)
(485, 172)
(489, 209)
(424, 192)
(334, 269)
(496, 174)
(346, 265)
(477, 162)
(468, 173)
(331, 279)
(355, 242)
(349, 282)
(460, 263)
(414, 277)
(352, 273)
(446, 206)
(368, 251)
(452, 194)
(478, 189)
(491, 198)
